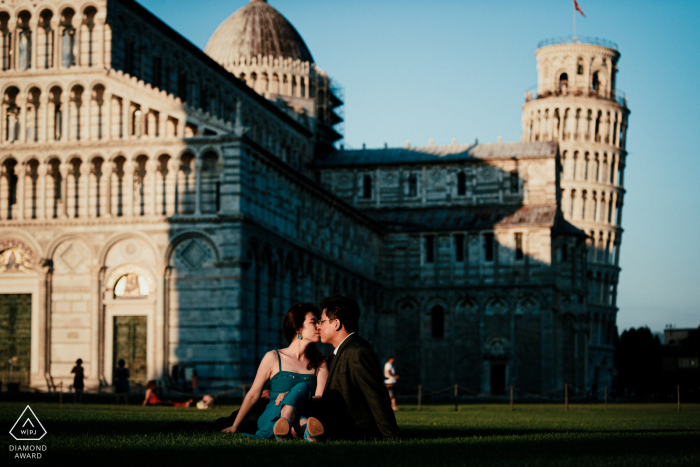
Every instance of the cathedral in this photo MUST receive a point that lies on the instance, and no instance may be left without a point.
(166, 205)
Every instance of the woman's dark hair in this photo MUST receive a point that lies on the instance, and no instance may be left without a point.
(293, 322)
(79, 361)
(121, 363)
(344, 309)
(151, 385)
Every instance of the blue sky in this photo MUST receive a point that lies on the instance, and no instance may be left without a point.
(442, 69)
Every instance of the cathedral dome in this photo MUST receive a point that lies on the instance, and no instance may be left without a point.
(257, 28)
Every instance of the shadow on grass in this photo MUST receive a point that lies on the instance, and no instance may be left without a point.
(560, 450)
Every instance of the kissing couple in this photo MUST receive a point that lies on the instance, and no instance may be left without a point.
(341, 396)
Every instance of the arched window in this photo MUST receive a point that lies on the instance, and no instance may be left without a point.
(367, 187)
(461, 184)
(88, 27)
(573, 203)
(8, 198)
(563, 81)
(45, 37)
(412, 186)
(25, 41)
(68, 38)
(11, 110)
(579, 66)
(6, 41)
(437, 322)
(595, 207)
(56, 122)
(595, 82)
(584, 194)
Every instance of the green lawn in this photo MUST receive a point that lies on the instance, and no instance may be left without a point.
(480, 435)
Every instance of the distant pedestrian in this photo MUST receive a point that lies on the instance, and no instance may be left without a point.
(195, 381)
(121, 381)
(78, 384)
(390, 378)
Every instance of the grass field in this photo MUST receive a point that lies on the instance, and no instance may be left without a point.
(480, 435)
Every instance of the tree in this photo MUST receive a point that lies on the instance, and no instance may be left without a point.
(638, 361)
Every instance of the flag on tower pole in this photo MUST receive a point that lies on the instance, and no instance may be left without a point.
(576, 8)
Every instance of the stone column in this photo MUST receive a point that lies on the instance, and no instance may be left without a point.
(44, 99)
(198, 186)
(172, 208)
(65, 115)
(63, 170)
(57, 42)
(21, 174)
(85, 175)
(34, 27)
(41, 181)
(129, 190)
(151, 175)
(88, 113)
(107, 133)
(126, 116)
(106, 186)
(22, 104)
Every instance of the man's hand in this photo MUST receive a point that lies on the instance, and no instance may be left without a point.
(279, 399)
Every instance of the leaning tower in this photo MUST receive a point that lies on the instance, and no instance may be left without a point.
(577, 104)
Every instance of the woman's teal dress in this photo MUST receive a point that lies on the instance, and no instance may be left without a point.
(300, 387)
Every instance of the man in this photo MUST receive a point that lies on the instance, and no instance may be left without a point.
(390, 378)
(355, 403)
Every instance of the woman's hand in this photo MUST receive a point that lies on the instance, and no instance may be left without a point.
(280, 398)
(228, 430)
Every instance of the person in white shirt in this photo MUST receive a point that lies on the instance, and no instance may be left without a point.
(390, 378)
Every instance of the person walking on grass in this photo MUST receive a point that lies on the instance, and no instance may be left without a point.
(355, 403)
(78, 381)
(390, 378)
(121, 381)
(296, 373)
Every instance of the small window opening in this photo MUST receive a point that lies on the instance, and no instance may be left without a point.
(461, 184)
(367, 187)
(437, 321)
(429, 249)
(459, 248)
(519, 246)
(488, 246)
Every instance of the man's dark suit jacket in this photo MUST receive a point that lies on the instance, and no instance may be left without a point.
(355, 403)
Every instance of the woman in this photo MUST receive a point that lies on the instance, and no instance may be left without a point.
(297, 373)
(153, 399)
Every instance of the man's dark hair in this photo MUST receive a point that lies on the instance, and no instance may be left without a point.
(344, 309)
(390, 357)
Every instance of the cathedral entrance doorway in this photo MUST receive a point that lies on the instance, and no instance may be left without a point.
(498, 379)
(15, 338)
(130, 344)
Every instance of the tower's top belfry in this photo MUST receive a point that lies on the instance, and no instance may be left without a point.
(578, 66)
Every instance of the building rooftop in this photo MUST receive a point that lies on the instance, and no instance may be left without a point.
(472, 218)
(438, 154)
